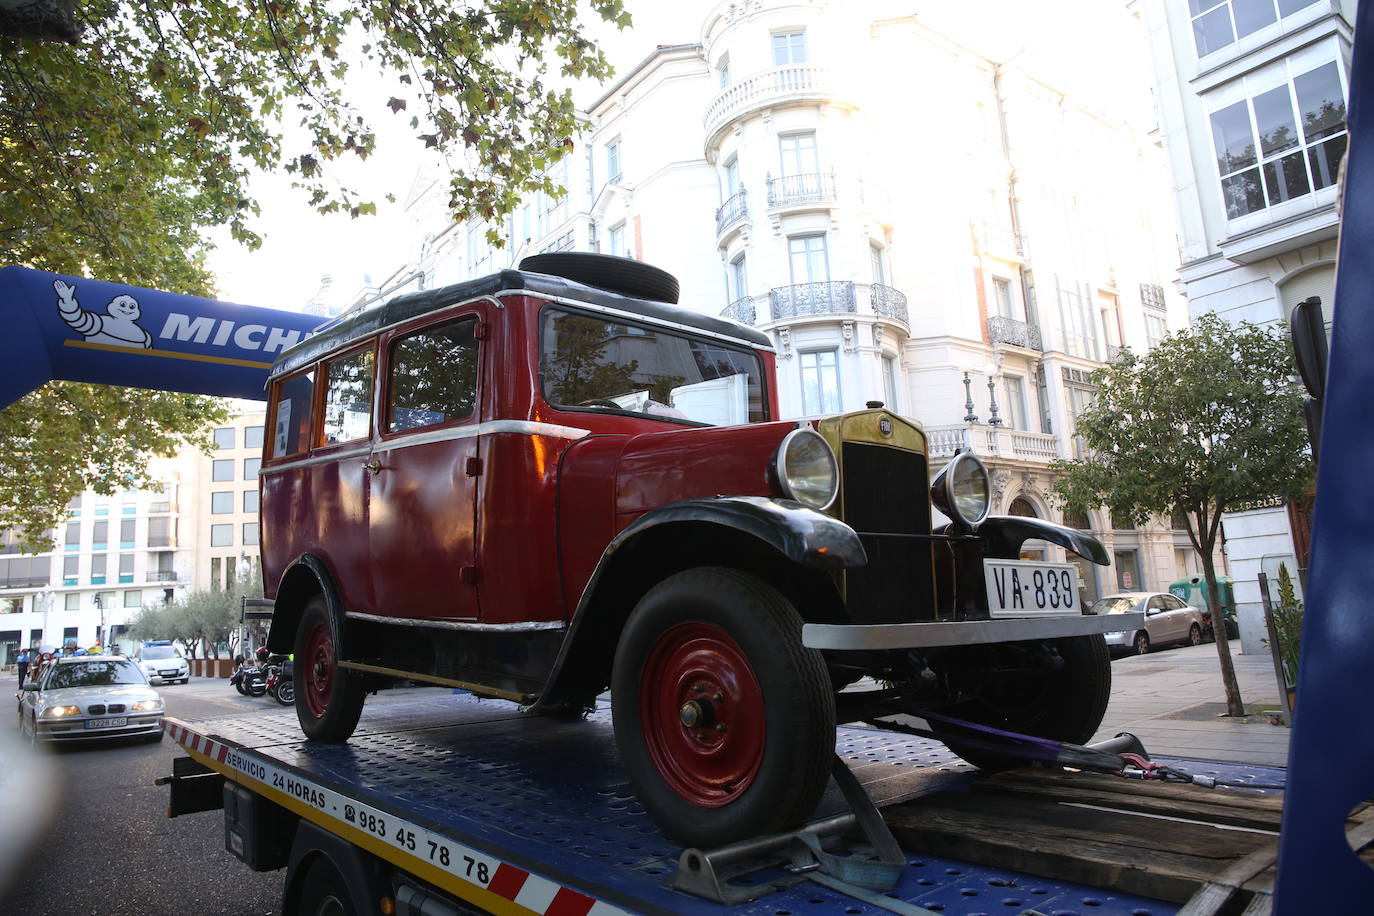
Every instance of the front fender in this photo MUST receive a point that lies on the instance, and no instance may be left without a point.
(1003, 535)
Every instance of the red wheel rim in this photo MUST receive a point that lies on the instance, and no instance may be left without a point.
(701, 713)
(316, 673)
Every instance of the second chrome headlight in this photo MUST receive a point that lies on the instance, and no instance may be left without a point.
(807, 470)
(960, 491)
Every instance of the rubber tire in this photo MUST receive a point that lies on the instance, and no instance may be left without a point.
(1195, 635)
(1071, 710)
(604, 271)
(323, 892)
(1141, 643)
(240, 688)
(285, 694)
(347, 692)
(256, 689)
(798, 706)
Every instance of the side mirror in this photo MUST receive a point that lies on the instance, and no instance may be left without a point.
(30, 686)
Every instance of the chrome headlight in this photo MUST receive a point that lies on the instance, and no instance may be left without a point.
(807, 470)
(960, 491)
(146, 705)
(60, 712)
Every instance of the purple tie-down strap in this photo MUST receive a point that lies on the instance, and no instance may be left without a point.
(997, 740)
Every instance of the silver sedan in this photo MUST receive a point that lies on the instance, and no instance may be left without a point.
(84, 698)
(1167, 621)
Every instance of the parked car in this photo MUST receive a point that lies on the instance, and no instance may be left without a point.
(1167, 621)
(85, 698)
(547, 481)
(162, 662)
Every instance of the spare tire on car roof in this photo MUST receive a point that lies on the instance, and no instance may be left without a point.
(604, 271)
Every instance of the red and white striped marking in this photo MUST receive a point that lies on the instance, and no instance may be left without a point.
(194, 741)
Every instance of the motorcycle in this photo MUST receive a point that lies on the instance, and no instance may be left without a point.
(249, 680)
(280, 684)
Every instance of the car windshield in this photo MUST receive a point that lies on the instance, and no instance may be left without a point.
(94, 674)
(160, 652)
(593, 363)
(1112, 606)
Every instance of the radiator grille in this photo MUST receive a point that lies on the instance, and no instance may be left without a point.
(885, 493)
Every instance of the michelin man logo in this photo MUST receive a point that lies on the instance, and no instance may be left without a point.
(119, 326)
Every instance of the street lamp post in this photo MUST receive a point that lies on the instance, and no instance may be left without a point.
(100, 631)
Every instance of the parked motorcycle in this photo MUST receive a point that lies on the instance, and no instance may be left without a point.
(249, 680)
(280, 683)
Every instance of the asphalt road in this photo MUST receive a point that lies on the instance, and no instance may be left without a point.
(107, 845)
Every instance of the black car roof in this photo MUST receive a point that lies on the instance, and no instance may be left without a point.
(336, 336)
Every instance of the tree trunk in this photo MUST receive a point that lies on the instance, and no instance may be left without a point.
(1234, 706)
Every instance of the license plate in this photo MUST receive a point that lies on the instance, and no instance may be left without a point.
(1027, 588)
(114, 722)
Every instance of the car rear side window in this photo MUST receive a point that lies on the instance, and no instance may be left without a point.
(433, 376)
(348, 398)
(291, 422)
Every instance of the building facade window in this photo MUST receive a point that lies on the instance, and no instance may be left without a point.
(797, 154)
(250, 468)
(615, 240)
(1155, 330)
(221, 535)
(789, 47)
(730, 172)
(1218, 24)
(252, 437)
(877, 263)
(1015, 401)
(613, 166)
(159, 532)
(889, 366)
(1281, 144)
(133, 598)
(222, 503)
(72, 540)
(1077, 323)
(738, 282)
(808, 260)
(723, 71)
(250, 534)
(98, 564)
(70, 570)
(222, 469)
(820, 382)
(126, 567)
(100, 536)
(250, 500)
(224, 437)
(1001, 296)
(126, 534)
(71, 602)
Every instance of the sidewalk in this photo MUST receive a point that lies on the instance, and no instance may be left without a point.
(1169, 699)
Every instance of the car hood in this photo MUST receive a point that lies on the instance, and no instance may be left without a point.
(84, 696)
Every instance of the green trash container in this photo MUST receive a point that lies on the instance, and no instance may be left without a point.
(1193, 589)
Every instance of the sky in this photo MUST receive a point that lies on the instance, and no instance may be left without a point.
(1067, 42)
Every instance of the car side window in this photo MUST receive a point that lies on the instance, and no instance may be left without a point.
(432, 377)
(347, 398)
(1171, 603)
(291, 415)
(1155, 604)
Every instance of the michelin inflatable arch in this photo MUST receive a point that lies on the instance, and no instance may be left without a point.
(80, 330)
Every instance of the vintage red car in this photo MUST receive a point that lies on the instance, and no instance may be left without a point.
(550, 481)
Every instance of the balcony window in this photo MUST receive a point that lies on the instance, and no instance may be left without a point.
(224, 437)
(1001, 296)
(1218, 24)
(221, 535)
(789, 47)
(1283, 143)
(820, 382)
(798, 154)
(808, 260)
(877, 263)
(222, 469)
(1015, 401)
(159, 531)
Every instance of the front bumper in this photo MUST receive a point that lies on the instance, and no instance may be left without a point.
(1121, 638)
(868, 637)
(74, 729)
(165, 678)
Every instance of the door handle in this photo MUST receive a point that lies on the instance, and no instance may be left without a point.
(374, 466)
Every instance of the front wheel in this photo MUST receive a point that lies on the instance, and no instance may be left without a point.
(724, 720)
(1064, 702)
(255, 688)
(1195, 635)
(1142, 643)
(285, 694)
(330, 700)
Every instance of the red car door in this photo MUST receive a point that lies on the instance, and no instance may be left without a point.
(422, 501)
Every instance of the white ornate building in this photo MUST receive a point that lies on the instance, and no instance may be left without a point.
(911, 221)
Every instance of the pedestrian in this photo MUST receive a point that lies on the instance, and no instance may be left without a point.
(23, 661)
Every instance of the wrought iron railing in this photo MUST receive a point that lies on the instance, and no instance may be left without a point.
(736, 208)
(888, 302)
(766, 88)
(1016, 333)
(828, 298)
(741, 310)
(800, 189)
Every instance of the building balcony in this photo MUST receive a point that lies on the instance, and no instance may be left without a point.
(741, 310)
(733, 211)
(800, 190)
(833, 297)
(992, 442)
(888, 302)
(1013, 332)
(159, 575)
(162, 543)
(766, 89)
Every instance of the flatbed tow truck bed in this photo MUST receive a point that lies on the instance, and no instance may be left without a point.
(512, 813)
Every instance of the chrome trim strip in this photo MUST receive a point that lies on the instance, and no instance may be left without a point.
(489, 428)
(533, 626)
(356, 452)
(961, 633)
